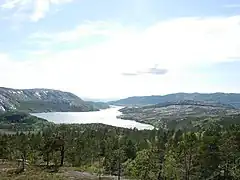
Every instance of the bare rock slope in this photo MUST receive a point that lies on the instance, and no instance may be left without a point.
(42, 100)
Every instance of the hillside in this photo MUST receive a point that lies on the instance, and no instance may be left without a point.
(98, 105)
(19, 121)
(42, 100)
(82, 152)
(224, 98)
(180, 114)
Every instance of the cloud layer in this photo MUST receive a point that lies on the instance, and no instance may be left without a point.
(102, 68)
(37, 8)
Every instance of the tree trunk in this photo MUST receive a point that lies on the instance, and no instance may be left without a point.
(119, 170)
(62, 155)
(161, 162)
(160, 174)
(99, 168)
(185, 166)
(47, 159)
(23, 162)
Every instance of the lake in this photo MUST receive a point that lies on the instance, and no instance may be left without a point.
(106, 116)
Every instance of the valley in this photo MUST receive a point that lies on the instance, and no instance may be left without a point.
(104, 116)
(57, 135)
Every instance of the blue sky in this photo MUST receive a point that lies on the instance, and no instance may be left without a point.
(114, 49)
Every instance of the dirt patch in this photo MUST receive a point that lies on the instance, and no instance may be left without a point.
(74, 175)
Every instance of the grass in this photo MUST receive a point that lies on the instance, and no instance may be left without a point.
(9, 171)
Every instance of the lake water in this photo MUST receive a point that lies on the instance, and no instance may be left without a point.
(106, 116)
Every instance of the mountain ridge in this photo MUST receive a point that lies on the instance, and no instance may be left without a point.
(218, 97)
(43, 100)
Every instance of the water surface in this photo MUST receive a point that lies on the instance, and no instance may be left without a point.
(106, 116)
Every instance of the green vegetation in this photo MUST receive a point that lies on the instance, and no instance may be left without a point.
(224, 98)
(98, 105)
(19, 121)
(191, 115)
(209, 153)
(48, 106)
(193, 141)
(33, 173)
(44, 100)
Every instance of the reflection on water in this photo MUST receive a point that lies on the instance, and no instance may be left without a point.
(106, 116)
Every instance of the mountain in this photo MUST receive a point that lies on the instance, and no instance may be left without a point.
(224, 98)
(42, 100)
(98, 105)
(180, 114)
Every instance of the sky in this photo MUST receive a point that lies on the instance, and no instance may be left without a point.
(112, 49)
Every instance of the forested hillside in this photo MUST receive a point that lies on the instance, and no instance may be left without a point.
(186, 114)
(193, 140)
(44, 100)
(19, 121)
(224, 98)
(210, 153)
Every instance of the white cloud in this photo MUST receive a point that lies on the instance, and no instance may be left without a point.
(38, 8)
(43, 6)
(177, 45)
(87, 29)
(10, 4)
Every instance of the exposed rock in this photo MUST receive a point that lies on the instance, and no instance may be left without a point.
(42, 100)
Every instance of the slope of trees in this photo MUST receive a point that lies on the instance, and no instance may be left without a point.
(210, 153)
(19, 121)
(232, 99)
(44, 100)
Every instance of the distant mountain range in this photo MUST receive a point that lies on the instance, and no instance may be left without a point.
(232, 99)
(182, 114)
(44, 100)
(182, 110)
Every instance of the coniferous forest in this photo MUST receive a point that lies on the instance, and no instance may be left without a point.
(210, 153)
